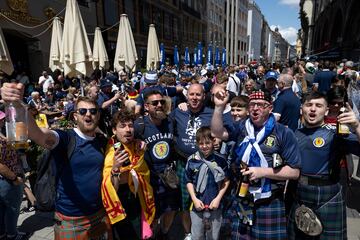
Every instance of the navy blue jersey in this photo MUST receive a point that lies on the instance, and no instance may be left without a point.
(159, 140)
(188, 123)
(281, 141)
(192, 173)
(287, 104)
(78, 189)
(320, 148)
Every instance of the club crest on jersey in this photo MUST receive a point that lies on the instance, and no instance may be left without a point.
(270, 141)
(318, 142)
(161, 150)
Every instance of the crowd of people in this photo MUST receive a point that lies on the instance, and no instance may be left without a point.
(241, 152)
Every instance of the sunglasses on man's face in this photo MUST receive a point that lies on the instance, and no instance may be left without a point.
(156, 102)
(83, 111)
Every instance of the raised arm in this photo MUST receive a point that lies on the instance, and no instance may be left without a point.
(217, 125)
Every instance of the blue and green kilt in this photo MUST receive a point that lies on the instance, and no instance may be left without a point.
(328, 204)
(269, 222)
(185, 197)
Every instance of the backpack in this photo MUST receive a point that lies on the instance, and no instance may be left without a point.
(48, 176)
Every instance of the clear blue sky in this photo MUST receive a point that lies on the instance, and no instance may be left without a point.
(282, 13)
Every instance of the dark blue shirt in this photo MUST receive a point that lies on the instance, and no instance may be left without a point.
(320, 148)
(324, 78)
(159, 140)
(281, 141)
(187, 123)
(287, 105)
(212, 188)
(78, 189)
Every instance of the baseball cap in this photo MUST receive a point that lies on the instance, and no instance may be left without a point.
(151, 77)
(271, 75)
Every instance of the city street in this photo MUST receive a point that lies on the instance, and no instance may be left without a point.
(40, 225)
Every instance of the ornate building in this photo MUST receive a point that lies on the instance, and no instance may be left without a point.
(27, 32)
(331, 28)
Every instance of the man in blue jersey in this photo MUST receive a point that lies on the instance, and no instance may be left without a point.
(187, 123)
(319, 209)
(79, 212)
(157, 130)
(266, 152)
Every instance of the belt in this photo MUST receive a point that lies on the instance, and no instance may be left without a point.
(316, 181)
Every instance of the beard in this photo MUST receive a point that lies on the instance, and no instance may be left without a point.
(160, 114)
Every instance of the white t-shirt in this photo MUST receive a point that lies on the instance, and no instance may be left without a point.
(49, 82)
(234, 84)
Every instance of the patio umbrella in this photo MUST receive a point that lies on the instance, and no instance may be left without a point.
(5, 59)
(76, 55)
(100, 57)
(187, 56)
(56, 45)
(125, 53)
(162, 54)
(153, 51)
(176, 56)
(199, 54)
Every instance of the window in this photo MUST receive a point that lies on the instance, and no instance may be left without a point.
(111, 13)
(130, 11)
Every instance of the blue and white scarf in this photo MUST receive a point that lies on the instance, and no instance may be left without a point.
(249, 152)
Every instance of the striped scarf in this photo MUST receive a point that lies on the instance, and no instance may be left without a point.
(249, 152)
(139, 184)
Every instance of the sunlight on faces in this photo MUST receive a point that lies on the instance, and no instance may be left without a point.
(124, 132)
(206, 146)
(314, 112)
(259, 111)
(196, 97)
(154, 106)
(86, 123)
(239, 113)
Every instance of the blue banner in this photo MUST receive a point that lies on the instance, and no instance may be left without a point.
(195, 56)
(199, 54)
(162, 54)
(176, 56)
(209, 58)
(217, 57)
(223, 60)
(187, 56)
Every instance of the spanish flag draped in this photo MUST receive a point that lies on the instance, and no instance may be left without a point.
(139, 179)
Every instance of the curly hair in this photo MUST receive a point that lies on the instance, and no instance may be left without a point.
(122, 116)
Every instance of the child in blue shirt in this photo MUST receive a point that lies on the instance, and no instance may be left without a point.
(206, 175)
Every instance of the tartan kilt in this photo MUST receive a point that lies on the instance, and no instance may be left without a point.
(185, 197)
(270, 222)
(95, 227)
(328, 204)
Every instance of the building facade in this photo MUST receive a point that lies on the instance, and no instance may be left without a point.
(177, 22)
(331, 28)
(254, 30)
(27, 30)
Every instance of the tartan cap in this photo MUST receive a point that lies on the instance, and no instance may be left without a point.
(261, 94)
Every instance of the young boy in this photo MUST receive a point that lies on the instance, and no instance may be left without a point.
(239, 108)
(207, 180)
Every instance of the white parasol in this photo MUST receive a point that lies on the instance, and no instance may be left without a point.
(56, 45)
(153, 51)
(5, 60)
(100, 57)
(76, 55)
(125, 54)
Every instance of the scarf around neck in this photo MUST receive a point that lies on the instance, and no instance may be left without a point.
(250, 153)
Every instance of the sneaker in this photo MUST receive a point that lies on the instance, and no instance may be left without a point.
(19, 236)
(187, 236)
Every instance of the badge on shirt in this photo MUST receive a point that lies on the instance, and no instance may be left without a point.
(161, 150)
(318, 142)
(270, 141)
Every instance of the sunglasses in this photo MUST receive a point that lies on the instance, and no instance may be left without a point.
(83, 111)
(156, 102)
